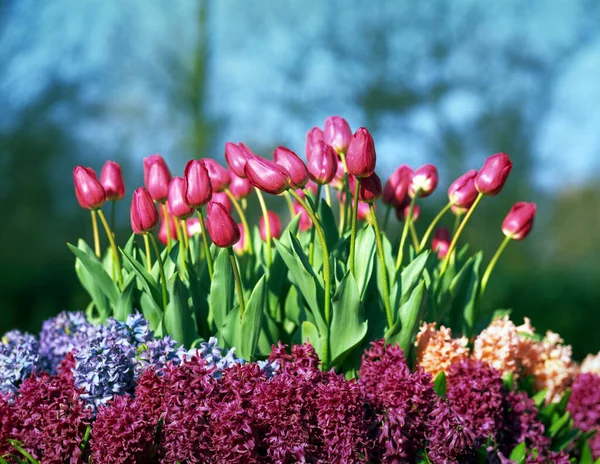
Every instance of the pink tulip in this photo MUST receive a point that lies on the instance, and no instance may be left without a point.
(111, 179)
(361, 157)
(222, 229)
(222, 198)
(519, 220)
(337, 133)
(295, 167)
(423, 181)
(267, 175)
(143, 214)
(240, 187)
(369, 189)
(462, 192)
(219, 176)
(323, 163)
(396, 187)
(89, 192)
(441, 242)
(492, 176)
(157, 177)
(313, 137)
(176, 199)
(274, 224)
(236, 156)
(198, 188)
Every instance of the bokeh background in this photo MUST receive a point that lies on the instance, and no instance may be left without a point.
(440, 81)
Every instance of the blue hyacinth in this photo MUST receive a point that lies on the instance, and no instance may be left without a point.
(19, 358)
(157, 353)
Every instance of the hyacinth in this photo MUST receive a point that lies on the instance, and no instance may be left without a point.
(19, 358)
(591, 364)
(584, 406)
(6, 422)
(157, 353)
(503, 345)
(437, 350)
(135, 330)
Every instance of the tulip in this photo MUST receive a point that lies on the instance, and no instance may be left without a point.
(163, 236)
(322, 165)
(222, 229)
(240, 246)
(198, 186)
(177, 199)
(157, 177)
(492, 176)
(111, 179)
(266, 175)
(441, 242)
(337, 133)
(305, 222)
(223, 199)
(519, 220)
(310, 186)
(340, 175)
(403, 209)
(193, 227)
(240, 187)
(274, 224)
(89, 192)
(364, 212)
(313, 137)
(144, 216)
(369, 189)
(236, 156)
(462, 192)
(361, 157)
(423, 181)
(219, 176)
(296, 168)
(396, 187)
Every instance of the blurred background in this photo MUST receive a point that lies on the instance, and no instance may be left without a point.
(441, 81)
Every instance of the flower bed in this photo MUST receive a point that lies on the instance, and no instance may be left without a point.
(351, 349)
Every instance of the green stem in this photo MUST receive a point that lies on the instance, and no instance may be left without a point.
(290, 204)
(209, 262)
(458, 232)
(353, 232)
(328, 195)
(148, 259)
(113, 246)
(342, 217)
(238, 281)
(311, 246)
(413, 234)
(96, 235)
(181, 241)
(429, 230)
(387, 217)
(113, 210)
(456, 223)
(384, 276)
(166, 216)
(405, 231)
(161, 269)
(240, 211)
(263, 207)
(490, 268)
(186, 239)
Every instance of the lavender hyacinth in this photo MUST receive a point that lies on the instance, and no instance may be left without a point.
(19, 358)
(157, 353)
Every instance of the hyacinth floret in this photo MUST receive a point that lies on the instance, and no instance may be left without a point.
(213, 355)
(584, 406)
(19, 358)
(136, 329)
(157, 353)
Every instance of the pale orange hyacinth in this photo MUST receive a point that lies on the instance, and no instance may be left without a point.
(437, 350)
(591, 364)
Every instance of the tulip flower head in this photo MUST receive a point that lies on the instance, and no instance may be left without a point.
(267, 175)
(193, 227)
(305, 222)
(157, 177)
(396, 187)
(423, 181)
(177, 199)
(441, 242)
(369, 189)
(219, 176)
(111, 179)
(364, 212)
(519, 220)
(361, 157)
(462, 192)
(89, 192)
(236, 156)
(337, 133)
(323, 163)
(296, 168)
(313, 137)
(143, 214)
(340, 175)
(274, 224)
(223, 199)
(491, 177)
(222, 229)
(240, 246)
(240, 187)
(162, 230)
(198, 187)
(403, 209)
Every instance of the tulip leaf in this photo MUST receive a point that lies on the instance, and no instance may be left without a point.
(101, 278)
(586, 456)
(411, 274)
(310, 334)
(330, 228)
(252, 319)
(230, 333)
(145, 279)
(177, 318)
(124, 306)
(464, 296)
(440, 384)
(518, 453)
(366, 253)
(99, 299)
(348, 325)
(269, 335)
(221, 296)
(151, 311)
(198, 290)
(407, 324)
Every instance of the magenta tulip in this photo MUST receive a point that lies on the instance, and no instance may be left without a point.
(222, 198)
(519, 220)
(267, 175)
(462, 192)
(240, 246)
(441, 242)
(369, 189)
(219, 176)
(403, 209)
(222, 229)
(236, 156)
(364, 211)
(240, 187)
(337, 133)
(111, 179)
(157, 177)
(89, 192)
(296, 168)
(396, 187)
(274, 224)
(313, 137)
(176, 199)
(423, 181)
(198, 187)
(492, 176)
(323, 163)
(305, 221)
(162, 230)
(361, 157)
(193, 227)
(144, 216)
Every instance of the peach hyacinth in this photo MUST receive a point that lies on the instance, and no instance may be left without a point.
(591, 364)
(437, 350)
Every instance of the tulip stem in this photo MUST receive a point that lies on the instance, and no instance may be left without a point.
(181, 241)
(161, 270)
(148, 258)
(328, 195)
(96, 235)
(238, 281)
(263, 207)
(186, 239)
(240, 211)
(353, 232)
(387, 217)
(113, 210)
(414, 236)
(113, 246)
(290, 204)
(490, 268)
(384, 276)
(166, 214)
(429, 230)
(209, 262)
(311, 246)
(458, 232)
(326, 267)
(407, 220)
(342, 217)
(456, 223)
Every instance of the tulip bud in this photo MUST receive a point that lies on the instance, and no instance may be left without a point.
(403, 209)
(222, 229)
(441, 242)
(162, 230)
(176, 199)
(198, 186)
(364, 212)
(462, 192)
(111, 179)
(458, 211)
(322, 165)
(240, 187)
(396, 187)
(274, 224)
(369, 189)
(157, 177)
(340, 175)
(236, 156)
(222, 198)
(492, 176)
(240, 246)
(305, 222)
(193, 227)
(313, 137)
(337, 133)
(310, 186)
(144, 216)
(424, 181)
(519, 220)
(89, 192)
(219, 176)
(361, 157)
(296, 168)
(267, 175)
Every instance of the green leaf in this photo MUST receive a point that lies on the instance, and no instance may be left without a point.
(464, 293)
(310, 333)
(230, 332)
(348, 325)
(177, 319)
(330, 228)
(586, 456)
(558, 422)
(151, 310)
(99, 299)
(252, 320)
(222, 288)
(366, 255)
(411, 275)
(439, 385)
(410, 314)
(539, 398)
(18, 446)
(96, 269)
(145, 279)
(124, 306)
(518, 454)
